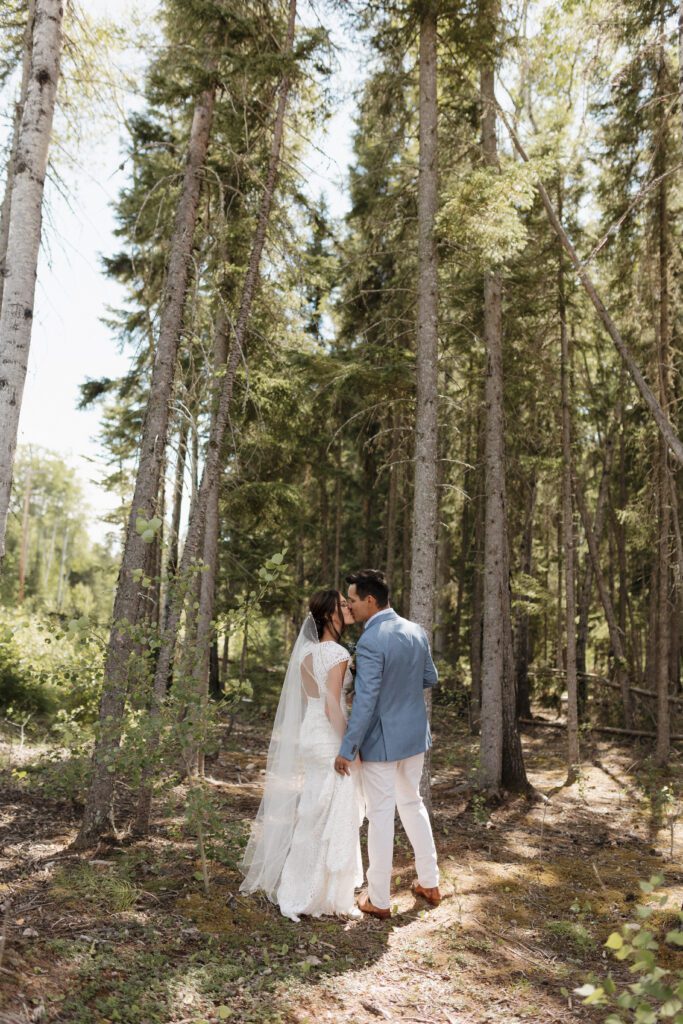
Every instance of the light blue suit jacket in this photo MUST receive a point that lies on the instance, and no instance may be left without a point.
(388, 720)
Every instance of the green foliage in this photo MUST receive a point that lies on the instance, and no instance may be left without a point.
(480, 215)
(656, 994)
(50, 673)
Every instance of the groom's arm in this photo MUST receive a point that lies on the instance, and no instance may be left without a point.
(431, 676)
(369, 668)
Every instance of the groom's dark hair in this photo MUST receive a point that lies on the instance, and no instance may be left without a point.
(370, 581)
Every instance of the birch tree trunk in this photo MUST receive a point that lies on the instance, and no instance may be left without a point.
(196, 525)
(425, 493)
(12, 158)
(28, 170)
(154, 434)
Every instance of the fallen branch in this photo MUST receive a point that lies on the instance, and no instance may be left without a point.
(598, 728)
(605, 682)
(636, 689)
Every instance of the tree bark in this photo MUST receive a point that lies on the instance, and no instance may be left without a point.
(522, 617)
(207, 591)
(500, 749)
(424, 532)
(663, 489)
(24, 235)
(197, 520)
(573, 755)
(16, 126)
(176, 513)
(587, 584)
(127, 600)
(425, 492)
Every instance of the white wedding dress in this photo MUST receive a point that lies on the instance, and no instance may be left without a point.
(304, 848)
(324, 866)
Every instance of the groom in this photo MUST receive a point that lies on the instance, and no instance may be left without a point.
(388, 727)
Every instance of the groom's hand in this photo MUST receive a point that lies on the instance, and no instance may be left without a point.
(341, 765)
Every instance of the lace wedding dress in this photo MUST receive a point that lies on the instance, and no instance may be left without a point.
(304, 848)
(323, 866)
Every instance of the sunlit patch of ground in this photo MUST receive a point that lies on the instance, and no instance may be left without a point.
(127, 934)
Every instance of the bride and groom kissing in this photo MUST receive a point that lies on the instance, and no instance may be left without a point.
(327, 769)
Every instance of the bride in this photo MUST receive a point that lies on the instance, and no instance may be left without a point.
(304, 848)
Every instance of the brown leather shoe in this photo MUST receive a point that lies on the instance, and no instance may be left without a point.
(432, 895)
(367, 907)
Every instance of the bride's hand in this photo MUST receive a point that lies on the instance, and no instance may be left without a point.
(342, 765)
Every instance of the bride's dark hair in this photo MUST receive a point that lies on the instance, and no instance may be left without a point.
(322, 607)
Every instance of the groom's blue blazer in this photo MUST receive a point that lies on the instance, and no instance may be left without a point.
(388, 720)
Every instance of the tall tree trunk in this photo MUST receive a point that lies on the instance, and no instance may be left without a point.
(658, 413)
(587, 582)
(204, 636)
(176, 513)
(663, 487)
(126, 603)
(522, 651)
(24, 235)
(196, 525)
(477, 618)
(425, 492)
(16, 126)
(392, 502)
(465, 543)
(500, 749)
(573, 755)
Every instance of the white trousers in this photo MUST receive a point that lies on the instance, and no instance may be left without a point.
(387, 785)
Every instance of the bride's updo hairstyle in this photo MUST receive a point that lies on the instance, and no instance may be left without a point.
(322, 607)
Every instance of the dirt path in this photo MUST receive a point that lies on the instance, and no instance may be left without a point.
(126, 934)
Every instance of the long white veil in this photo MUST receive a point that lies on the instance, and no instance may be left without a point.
(271, 833)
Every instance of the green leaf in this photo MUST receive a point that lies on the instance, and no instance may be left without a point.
(278, 559)
(615, 941)
(585, 990)
(223, 1012)
(675, 938)
(670, 1007)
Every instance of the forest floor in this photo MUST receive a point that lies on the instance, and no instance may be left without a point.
(126, 934)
